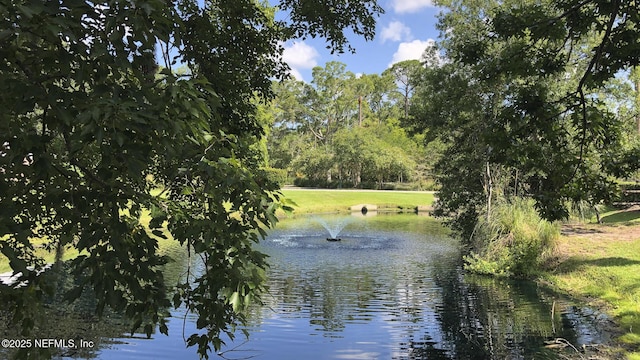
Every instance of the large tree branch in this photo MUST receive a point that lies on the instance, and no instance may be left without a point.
(318, 134)
(583, 80)
(599, 50)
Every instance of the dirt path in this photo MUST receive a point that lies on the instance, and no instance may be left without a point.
(602, 232)
(588, 240)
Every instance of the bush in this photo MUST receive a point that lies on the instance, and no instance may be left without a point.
(581, 211)
(279, 176)
(318, 183)
(428, 184)
(514, 242)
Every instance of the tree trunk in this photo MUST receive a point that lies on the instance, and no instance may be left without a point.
(637, 93)
(489, 191)
(360, 110)
(406, 103)
(595, 208)
(356, 176)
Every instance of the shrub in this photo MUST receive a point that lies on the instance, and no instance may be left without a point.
(580, 212)
(279, 176)
(513, 242)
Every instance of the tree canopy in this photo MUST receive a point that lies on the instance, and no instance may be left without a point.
(521, 103)
(97, 134)
(343, 130)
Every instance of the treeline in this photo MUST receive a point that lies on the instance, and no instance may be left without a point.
(344, 130)
(538, 109)
(510, 117)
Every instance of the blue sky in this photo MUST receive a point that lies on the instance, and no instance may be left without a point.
(402, 33)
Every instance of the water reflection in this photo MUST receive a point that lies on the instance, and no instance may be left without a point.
(405, 297)
(391, 289)
(75, 325)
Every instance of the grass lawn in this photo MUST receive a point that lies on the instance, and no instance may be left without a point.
(48, 256)
(307, 201)
(323, 201)
(601, 263)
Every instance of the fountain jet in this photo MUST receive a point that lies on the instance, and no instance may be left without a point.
(333, 229)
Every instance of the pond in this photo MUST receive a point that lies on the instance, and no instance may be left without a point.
(392, 288)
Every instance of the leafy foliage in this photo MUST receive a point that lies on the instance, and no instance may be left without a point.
(512, 242)
(521, 105)
(342, 130)
(406, 74)
(93, 136)
(329, 19)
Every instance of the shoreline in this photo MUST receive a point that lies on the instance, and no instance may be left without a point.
(596, 264)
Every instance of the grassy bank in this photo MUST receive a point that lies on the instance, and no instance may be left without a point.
(512, 242)
(307, 201)
(323, 201)
(38, 244)
(601, 265)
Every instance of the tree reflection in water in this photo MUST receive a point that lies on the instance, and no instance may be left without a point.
(59, 320)
(411, 297)
(391, 289)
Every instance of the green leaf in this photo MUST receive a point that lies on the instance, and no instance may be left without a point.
(4, 34)
(73, 294)
(235, 302)
(136, 326)
(159, 234)
(148, 330)
(163, 328)
(26, 11)
(119, 139)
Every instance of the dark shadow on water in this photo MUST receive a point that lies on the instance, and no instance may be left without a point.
(60, 320)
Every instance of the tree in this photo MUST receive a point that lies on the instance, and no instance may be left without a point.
(353, 150)
(362, 155)
(406, 74)
(285, 139)
(314, 163)
(634, 77)
(381, 96)
(584, 44)
(331, 100)
(518, 105)
(451, 108)
(91, 132)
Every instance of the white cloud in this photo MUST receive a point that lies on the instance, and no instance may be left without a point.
(296, 74)
(395, 31)
(405, 6)
(411, 50)
(300, 56)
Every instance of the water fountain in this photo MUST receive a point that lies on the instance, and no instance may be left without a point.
(333, 229)
(326, 297)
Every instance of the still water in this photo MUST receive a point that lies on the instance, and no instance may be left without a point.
(392, 288)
